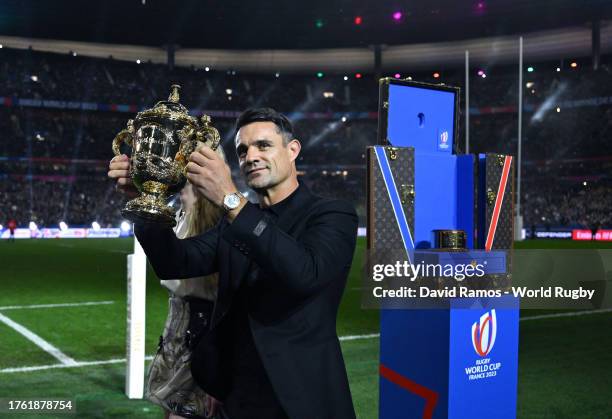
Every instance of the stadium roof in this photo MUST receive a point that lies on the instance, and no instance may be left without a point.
(556, 44)
(278, 24)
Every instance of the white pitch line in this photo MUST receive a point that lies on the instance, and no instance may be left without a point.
(87, 303)
(78, 364)
(342, 338)
(356, 337)
(568, 314)
(148, 358)
(38, 341)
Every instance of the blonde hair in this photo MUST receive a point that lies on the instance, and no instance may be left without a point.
(204, 215)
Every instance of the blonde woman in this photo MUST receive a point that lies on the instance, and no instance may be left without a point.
(170, 383)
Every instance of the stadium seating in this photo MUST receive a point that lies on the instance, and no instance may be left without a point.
(53, 159)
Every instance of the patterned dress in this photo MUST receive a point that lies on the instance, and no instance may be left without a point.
(170, 383)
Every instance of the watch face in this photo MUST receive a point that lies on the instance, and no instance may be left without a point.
(231, 201)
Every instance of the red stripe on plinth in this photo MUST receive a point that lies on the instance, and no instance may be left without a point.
(430, 396)
(501, 190)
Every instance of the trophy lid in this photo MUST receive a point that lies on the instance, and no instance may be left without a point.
(169, 109)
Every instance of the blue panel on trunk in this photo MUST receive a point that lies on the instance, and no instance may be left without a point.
(422, 118)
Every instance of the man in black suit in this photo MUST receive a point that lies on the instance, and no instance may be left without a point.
(272, 350)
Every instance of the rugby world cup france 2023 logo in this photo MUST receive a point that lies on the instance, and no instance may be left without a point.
(484, 333)
(443, 141)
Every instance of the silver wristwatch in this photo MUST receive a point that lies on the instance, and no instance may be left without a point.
(232, 200)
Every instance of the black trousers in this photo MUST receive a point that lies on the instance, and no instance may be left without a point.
(252, 395)
(234, 409)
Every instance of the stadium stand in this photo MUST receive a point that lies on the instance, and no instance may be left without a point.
(61, 112)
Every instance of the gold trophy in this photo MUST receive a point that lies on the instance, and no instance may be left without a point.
(450, 240)
(161, 139)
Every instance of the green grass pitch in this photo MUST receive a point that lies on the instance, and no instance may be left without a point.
(565, 364)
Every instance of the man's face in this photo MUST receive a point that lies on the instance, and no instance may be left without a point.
(264, 160)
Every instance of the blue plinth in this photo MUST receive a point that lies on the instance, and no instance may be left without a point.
(450, 363)
(460, 362)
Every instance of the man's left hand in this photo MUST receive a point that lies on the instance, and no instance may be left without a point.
(212, 406)
(210, 175)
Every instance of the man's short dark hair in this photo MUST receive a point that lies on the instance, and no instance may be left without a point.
(283, 125)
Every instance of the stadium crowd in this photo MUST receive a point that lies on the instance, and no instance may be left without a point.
(53, 161)
(568, 205)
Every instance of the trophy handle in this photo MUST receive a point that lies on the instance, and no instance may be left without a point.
(208, 134)
(188, 145)
(124, 136)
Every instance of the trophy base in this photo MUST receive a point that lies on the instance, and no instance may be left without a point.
(150, 206)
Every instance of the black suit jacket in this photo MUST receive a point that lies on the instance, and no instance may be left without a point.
(304, 258)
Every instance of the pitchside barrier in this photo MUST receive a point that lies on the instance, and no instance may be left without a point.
(66, 233)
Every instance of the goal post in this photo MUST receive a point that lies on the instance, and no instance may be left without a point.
(135, 334)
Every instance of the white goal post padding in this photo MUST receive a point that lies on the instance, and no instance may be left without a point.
(136, 298)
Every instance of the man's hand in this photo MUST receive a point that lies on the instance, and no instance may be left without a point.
(119, 168)
(210, 175)
(212, 406)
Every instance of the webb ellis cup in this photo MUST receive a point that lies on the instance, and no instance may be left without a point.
(161, 139)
